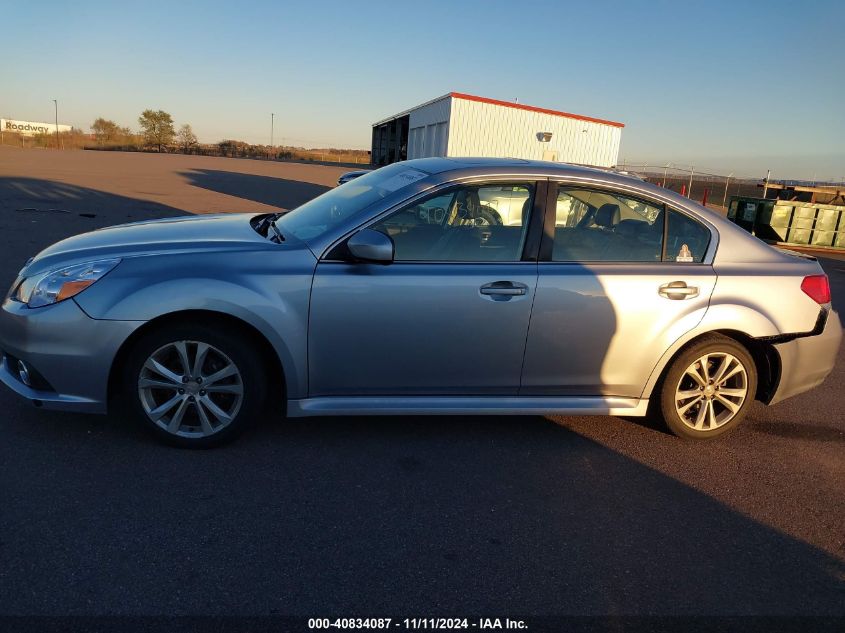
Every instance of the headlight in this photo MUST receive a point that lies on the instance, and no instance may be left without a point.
(58, 285)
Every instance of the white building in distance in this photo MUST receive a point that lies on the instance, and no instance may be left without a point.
(459, 124)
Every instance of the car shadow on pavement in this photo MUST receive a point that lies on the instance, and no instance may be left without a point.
(362, 515)
(649, 422)
(793, 430)
(37, 213)
(277, 192)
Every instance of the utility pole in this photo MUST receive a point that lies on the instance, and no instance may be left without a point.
(665, 171)
(725, 197)
(766, 182)
(272, 125)
(56, 103)
(691, 172)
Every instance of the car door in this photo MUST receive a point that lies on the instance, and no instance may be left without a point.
(448, 316)
(615, 289)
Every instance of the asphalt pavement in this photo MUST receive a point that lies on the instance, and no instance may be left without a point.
(401, 516)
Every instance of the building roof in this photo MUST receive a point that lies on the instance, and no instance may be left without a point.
(507, 104)
(520, 106)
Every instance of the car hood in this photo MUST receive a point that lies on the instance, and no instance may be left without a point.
(227, 232)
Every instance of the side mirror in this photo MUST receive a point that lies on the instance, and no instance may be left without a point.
(371, 246)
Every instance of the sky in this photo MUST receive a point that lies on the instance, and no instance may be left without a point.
(726, 86)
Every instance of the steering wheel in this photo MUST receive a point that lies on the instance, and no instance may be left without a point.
(433, 215)
(487, 217)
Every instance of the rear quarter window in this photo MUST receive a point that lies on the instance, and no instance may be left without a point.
(686, 239)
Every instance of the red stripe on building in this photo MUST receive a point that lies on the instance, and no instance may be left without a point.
(519, 106)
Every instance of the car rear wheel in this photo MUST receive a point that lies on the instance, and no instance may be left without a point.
(194, 386)
(708, 389)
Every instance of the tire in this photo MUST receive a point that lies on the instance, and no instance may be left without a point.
(194, 409)
(701, 400)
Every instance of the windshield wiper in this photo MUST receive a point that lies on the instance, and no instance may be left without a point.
(279, 237)
(264, 223)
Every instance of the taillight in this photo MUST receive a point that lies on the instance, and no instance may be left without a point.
(817, 287)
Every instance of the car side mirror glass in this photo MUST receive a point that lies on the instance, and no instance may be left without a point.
(371, 246)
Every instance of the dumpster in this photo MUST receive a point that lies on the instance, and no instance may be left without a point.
(789, 221)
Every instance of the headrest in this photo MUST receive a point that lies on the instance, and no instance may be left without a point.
(468, 204)
(607, 215)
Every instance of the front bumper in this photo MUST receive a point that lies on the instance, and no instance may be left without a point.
(70, 353)
(807, 361)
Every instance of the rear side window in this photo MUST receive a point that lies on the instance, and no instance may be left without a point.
(594, 225)
(686, 239)
(603, 226)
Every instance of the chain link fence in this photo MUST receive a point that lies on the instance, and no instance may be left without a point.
(714, 190)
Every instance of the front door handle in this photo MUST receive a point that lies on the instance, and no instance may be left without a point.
(678, 290)
(505, 288)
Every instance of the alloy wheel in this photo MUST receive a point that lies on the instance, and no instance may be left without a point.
(711, 391)
(190, 389)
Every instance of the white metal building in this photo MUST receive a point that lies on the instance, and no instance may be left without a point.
(459, 124)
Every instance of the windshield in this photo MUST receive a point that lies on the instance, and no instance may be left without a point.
(325, 212)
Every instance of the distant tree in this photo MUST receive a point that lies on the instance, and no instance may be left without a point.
(105, 130)
(233, 148)
(156, 127)
(186, 137)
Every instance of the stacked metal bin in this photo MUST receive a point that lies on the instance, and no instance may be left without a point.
(807, 223)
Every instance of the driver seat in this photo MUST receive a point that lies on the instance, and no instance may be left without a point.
(462, 239)
(465, 208)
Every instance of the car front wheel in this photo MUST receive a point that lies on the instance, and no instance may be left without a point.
(708, 389)
(194, 386)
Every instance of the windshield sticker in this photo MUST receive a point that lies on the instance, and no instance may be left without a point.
(403, 179)
(684, 255)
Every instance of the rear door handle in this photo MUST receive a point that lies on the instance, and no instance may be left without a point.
(678, 290)
(506, 288)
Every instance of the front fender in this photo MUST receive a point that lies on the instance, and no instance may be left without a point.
(269, 291)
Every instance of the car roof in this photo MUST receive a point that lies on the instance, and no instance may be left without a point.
(483, 164)
(459, 168)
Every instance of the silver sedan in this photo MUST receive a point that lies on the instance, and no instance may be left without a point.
(435, 286)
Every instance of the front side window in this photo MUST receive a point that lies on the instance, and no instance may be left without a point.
(469, 223)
